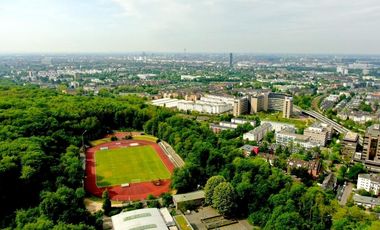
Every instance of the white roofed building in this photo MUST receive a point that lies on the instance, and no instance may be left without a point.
(149, 218)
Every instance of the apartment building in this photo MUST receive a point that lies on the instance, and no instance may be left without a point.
(350, 144)
(258, 133)
(369, 182)
(371, 148)
(286, 137)
(317, 133)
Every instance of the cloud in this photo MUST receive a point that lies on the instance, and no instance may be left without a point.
(348, 26)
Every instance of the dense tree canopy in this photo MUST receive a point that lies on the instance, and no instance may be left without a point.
(41, 174)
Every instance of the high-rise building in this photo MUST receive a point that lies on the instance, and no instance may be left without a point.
(288, 107)
(371, 148)
(264, 101)
(231, 61)
(350, 144)
(241, 106)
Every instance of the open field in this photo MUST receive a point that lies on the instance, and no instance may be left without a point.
(145, 138)
(100, 141)
(128, 165)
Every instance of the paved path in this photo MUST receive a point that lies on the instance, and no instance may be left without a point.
(346, 194)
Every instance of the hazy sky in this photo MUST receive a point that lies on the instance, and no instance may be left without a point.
(269, 26)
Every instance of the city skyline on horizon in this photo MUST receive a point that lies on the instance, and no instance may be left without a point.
(288, 27)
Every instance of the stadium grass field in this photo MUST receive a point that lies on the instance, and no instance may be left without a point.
(128, 165)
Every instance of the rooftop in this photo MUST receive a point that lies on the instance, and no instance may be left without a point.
(140, 219)
(372, 177)
(247, 148)
(189, 196)
(351, 136)
(373, 130)
(366, 200)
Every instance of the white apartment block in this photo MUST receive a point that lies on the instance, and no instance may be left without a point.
(204, 107)
(278, 126)
(285, 137)
(258, 133)
(369, 182)
(166, 102)
(242, 121)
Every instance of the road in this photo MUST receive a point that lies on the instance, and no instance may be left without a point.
(320, 117)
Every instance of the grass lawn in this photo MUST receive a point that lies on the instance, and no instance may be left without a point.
(100, 141)
(277, 116)
(181, 221)
(145, 138)
(128, 164)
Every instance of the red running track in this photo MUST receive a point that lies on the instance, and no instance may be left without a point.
(135, 191)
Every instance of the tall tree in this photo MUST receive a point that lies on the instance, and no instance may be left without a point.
(224, 198)
(210, 187)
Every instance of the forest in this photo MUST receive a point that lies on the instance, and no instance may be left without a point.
(41, 174)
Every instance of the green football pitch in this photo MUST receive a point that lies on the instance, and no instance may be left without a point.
(128, 165)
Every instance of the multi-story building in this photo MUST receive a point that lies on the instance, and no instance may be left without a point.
(258, 133)
(276, 101)
(286, 137)
(242, 121)
(241, 106)
(368, 202)
(278, 126)
(225, 125)
(317, 133)
(371, 148)
(369, 182)
(350, 144)
(288, 107)
(259, 102)
(264, 101)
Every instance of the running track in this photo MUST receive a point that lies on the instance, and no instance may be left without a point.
(136, 191)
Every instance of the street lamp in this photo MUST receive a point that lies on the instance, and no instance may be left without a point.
(83, 138)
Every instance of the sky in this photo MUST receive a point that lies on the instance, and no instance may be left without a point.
(250, 26)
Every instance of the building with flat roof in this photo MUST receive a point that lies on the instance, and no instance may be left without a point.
(317, 133)
(225, 125)
(149, 218)
(350, 144)
(366, 201)
(258, 133)
(286, 137)
(255, 102)
(242, 121)
(371, 148)
(196, 198)
(288, 107)
(278, 126)
(241, 106)
(369, 182)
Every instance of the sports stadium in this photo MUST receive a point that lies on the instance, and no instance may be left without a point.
(129, 169)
